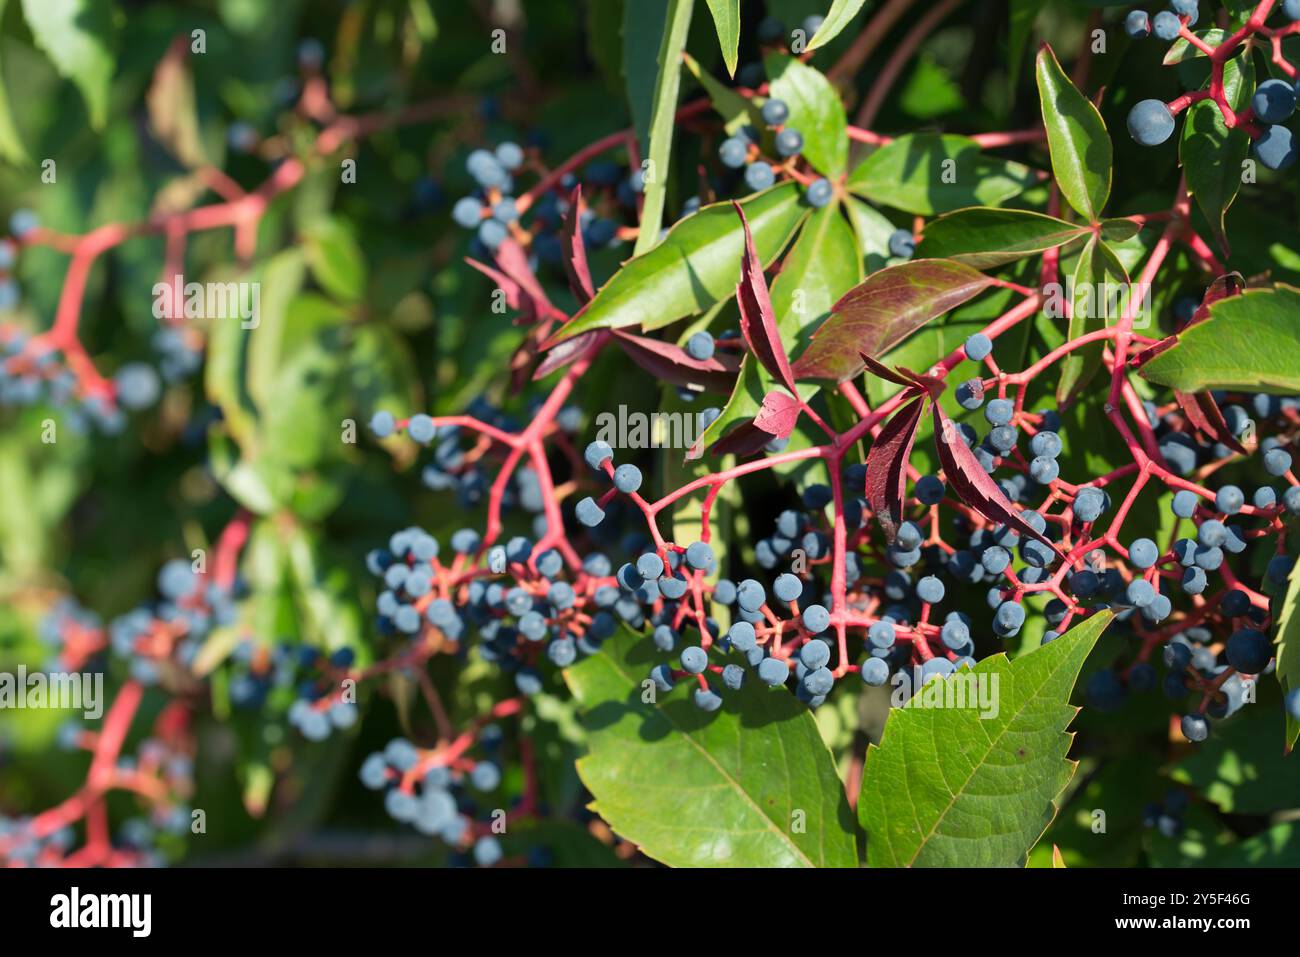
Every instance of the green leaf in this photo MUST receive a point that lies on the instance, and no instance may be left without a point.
(173, 117)
(1181, 50)
(1249, 342)
(926, 174)
(883, 311)
(822, 266)
(1288, 648)
(839, 16)
(662, 111)
(695, 789)
(984, 237)
(726, 20)
(1023, 13)
(736, 111)
(1076, 137)
(1211, 154)
(873, 231)
(336, 260)
(815, 111)
(1100, 282)
(77, 36)
(1243, 767)
(648, 18)
(11, 144)
(696, 265)
(946, 787)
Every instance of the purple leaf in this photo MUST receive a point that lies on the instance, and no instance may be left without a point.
(1203, 412)
(887, 465)
(743, 441)
(757, 321)
(672, 363)
(575, 251)
(778, 414)
(878, 314)
(973, 485)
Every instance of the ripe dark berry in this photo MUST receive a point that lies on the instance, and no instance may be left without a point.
(627, 479)
(734, 152)
(1249, 651)
(1166, 25)
(1149, 122)
(816, 619)
(775, 112)
(700, 346)
(1274, 101)
(902, 244)
(1137, 24)
(1195, 728)
(759, 176)
(978, 346)
(773, 671)
(1275, 148)
(1143, 553)
(789, 142)
(820, 192)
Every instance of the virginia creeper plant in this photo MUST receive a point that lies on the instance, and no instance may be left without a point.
(739, 447)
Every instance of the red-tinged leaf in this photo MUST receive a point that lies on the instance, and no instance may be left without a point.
(565, 352)
(512, 260)
(778, 414)
(1232, 284)
(757, 321)
(881, 312)
(672, 363)
(931, 384)
(744, 440)
(887, 465)
(882, 371)
(575, 251)
(1203, 412)
(1151, 351)
(973, 485)
(514, 294)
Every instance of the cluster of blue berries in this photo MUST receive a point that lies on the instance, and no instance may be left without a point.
(436, 798)
(1150, 121)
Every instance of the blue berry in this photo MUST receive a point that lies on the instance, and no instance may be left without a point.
(733, 152)
(1212, 533)
(1275, 148)
(929, 490)
(733, 677)
(815, 654)
(706, 699)
(662, 676)
(759, 176)
(789, 142)
(1277, 462)
(773, 671)
(627, 479)
(902, 244)
(816, 619)
(699, 556)
(700, 346)
(137, 385)
(1195, 728)
(467, 213)
(788, 587)
(1184, 503)
(819, 681)
(1166, 25)
(875, 672)
(750, 595)
(1044, 470)
(1149, 122)
(1143, 553)
(1274, 101)
(1249, 651)
(1229, 499)
(978, 347)
(597, 454)
(1010, 615)
(421, 428)
(930, 590)
(1137, 25)
(820, 192)
(775, 112)
(491, 233)
(999, 411)
(589, 513)
(1140, 592)
(1089, 503)
(694, 660)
